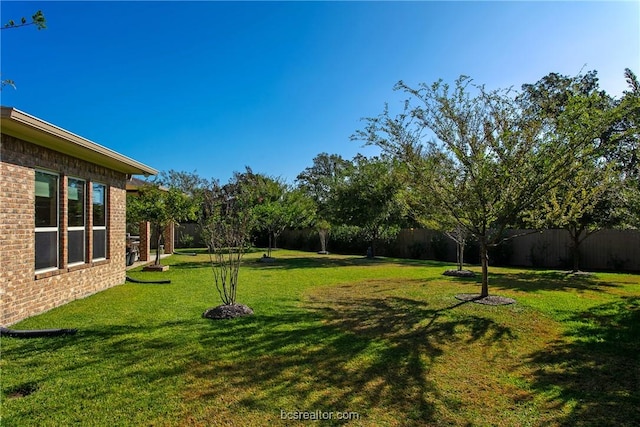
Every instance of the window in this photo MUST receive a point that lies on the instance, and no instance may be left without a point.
(76, 221)
(99, 200)
(46, 219)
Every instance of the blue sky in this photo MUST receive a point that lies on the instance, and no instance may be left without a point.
(214, 86)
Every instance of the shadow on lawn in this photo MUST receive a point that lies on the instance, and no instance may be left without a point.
(127, 345)
(544, 281)
(355, 354)
(598, 369)
(324, 261)
(311, 261)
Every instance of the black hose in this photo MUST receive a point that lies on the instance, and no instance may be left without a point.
(159, 282)
(36, 333)
(186, 253)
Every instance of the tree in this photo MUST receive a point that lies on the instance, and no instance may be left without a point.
(161, 207)
(280, 207)
(369, 198)
(488, 160)
(624, 148)
(319, 182)
(190, 183)
(227, 223)
(589, 200)
(38, 20)
(420, 207)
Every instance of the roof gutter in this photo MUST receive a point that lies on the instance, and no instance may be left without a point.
(36, 131)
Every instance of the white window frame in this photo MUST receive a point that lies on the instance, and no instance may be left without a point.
(49, 229)
(100, 227)
(83, 227)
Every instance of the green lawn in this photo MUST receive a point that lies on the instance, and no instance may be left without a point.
(382, 342)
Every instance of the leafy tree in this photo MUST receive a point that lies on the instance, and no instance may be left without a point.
(369, 198)
(589, 200)
(280, 207)
(583, 205)
(189, 183)
(38, 20)
(624, 148)
(227, 223)
(319, 182)
(423, 210)
(488, 160)
(161, 207)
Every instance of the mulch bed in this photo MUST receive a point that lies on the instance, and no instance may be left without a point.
(488, 300)
(229, 311)
(459, 273)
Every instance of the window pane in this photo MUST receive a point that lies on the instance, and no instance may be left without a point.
(76, 246)
(46, 200)
(99, 205)
(75, 196)
(46, 249)
(99, 244)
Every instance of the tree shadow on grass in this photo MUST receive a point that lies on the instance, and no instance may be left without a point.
(287, 263)
(133, 368)
(546, 281)
(354, 355)
(323, 261)
(596, 373)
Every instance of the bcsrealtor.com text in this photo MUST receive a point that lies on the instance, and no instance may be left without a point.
(318, 415)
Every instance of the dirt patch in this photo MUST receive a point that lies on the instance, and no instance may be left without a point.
(22, 390)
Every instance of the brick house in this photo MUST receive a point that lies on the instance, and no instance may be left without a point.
(62, 216)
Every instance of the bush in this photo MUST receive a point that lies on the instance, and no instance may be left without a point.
(187, 241)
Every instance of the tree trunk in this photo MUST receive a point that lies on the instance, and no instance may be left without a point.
(323, 239)
(484, 259)
(269, 248)
(460, 246)
(373, 244)
(576, 250)
(159, 231)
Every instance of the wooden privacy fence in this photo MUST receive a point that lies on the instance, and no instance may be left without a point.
(604, 250)
(617, 250)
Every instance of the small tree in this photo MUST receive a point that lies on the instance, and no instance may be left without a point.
(323, 227)
(227, 223)
(279, 207)
(583, 205)
(161, 207)
(319, 182)
(422, 210)
(489, 160)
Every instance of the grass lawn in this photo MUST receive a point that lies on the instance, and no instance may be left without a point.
(379, 342)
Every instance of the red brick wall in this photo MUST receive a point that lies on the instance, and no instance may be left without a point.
(167, 238)
(22, 292)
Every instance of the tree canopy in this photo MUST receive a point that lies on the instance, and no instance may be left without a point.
(368, 198)
(161, 207)
(488, 160)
